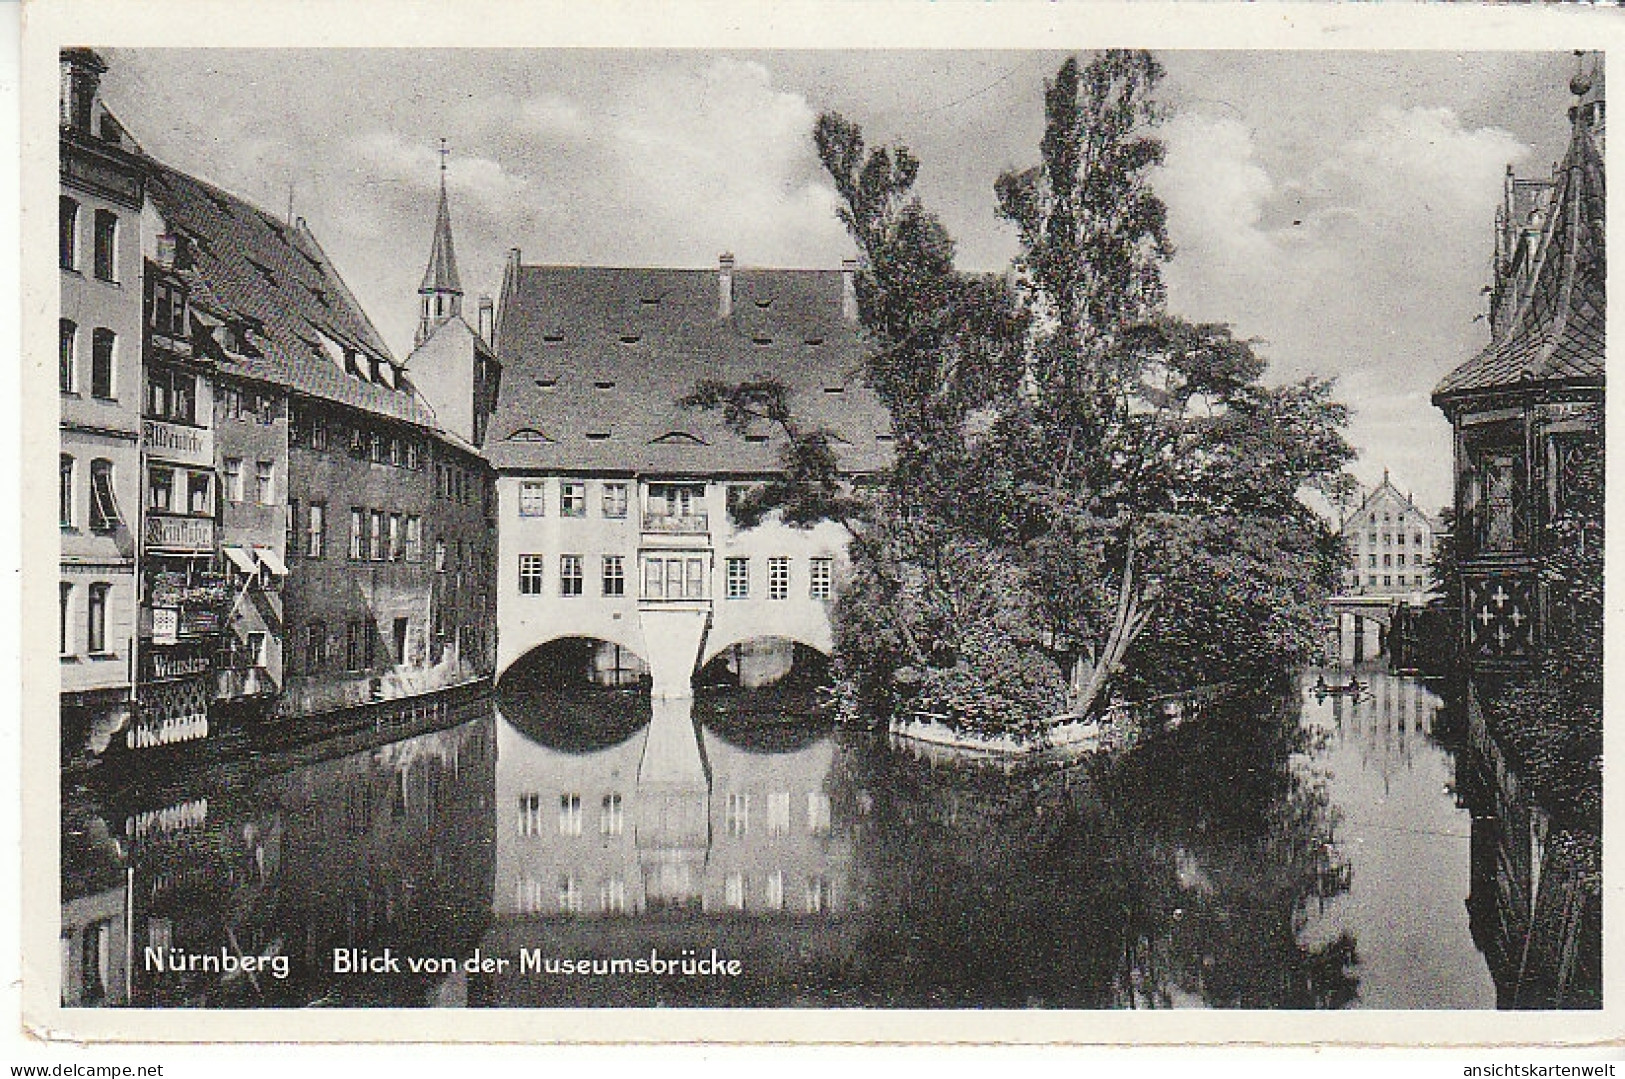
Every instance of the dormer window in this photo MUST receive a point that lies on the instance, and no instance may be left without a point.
(603, 384)
(168, 315)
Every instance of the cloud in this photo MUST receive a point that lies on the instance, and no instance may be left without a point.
(1364, 261)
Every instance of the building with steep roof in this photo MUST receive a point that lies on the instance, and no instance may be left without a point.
(613, 498)
(103, 176)
(1390, 543)
(1527, 408)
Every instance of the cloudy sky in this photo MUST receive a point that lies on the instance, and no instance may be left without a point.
(1335, 205)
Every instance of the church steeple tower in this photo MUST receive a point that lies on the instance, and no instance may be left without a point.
(440, 297)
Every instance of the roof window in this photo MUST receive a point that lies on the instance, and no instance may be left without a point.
(548, 383)
(835, 389)
(528, 434)
(553, 338)
(761, 341)
(814, 341)
(755, 438)
(597, 436)
(631, 338)
(603, 384)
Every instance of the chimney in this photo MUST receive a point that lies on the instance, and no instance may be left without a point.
(513, 257)
(725, 284)
(488, 318)
(81, 72)
(849, 289)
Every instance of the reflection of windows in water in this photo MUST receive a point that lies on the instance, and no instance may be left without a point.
(778, 813)
(612, 896)
(569, 894)
(818, 895)
(738, 815)
(775, 890)
(569, 814)
(735, 891)
(611, 821)
(817, 813)
(530, 814)
(528, 895)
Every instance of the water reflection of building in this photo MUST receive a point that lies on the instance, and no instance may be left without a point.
(672, 838)
(385, 846)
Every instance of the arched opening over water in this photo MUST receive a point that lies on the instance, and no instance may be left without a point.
(576, 694)
(763, 663)
(767, 694)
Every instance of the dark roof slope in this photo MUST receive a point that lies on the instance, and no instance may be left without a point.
(1558, 334)
(596, 359)
(246, 266)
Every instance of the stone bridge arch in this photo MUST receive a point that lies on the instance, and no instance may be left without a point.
(615, 658)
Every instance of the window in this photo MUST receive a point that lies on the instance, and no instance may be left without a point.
(572, 500)
(375, 447)
(1387, 582)
(318, 433)
(161, 489)
(199, 500)
(106, 239)
(1400, 562)
(822, 573)
(402, 628)
(414, 459)
(569, 575)
(532, 498)
(614, 504)
(315, 530)
(397, 539)
(738, 578)
(778, 813)
(1371, 582)
(696, 578)
(103, 510)
(96, 960)
(614, 575)
(355, 645)
(396, 454)
(256, 649)
(96, 620)
(569, 814)
(529, 820)
(817, 813)
(315, 647)
(232, 469)
(65, 631)
(1399, 537)
(569, 894)
(653, 578)
(1418, 538)
(611, 821)
(171, 395)
(440, 555)
(778, 578)
(530, 572)
(1371, 561)
(357, 535)
(168, 315)
(65, 499)
(67, 224)
(264, 485)
(737, 815)
(67, 364)
(101, 363)
(414, 538)
(734, 891)
(775, 890)
(375, 536)
(1387, 561)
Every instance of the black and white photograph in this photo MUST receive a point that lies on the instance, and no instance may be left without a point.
(955, 529)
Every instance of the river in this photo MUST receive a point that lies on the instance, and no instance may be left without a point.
(593, 849)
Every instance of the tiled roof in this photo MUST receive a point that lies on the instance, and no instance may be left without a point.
(1558, 334)
(245, 265)
(595, 360)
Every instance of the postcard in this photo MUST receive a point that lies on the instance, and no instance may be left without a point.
(846, 523)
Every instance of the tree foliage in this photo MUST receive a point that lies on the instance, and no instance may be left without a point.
(1082, 481)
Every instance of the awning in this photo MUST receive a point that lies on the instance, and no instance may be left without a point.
(242, 559)
(271, 561)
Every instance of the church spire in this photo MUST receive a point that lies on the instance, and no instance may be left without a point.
(440, 297)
